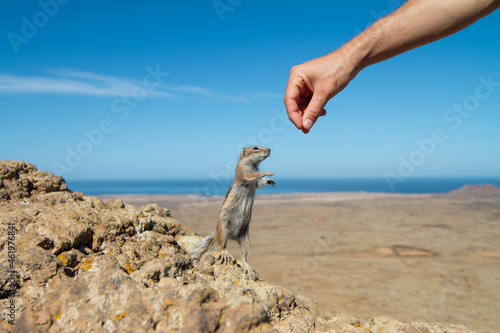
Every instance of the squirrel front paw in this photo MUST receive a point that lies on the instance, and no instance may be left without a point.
(271, 182)
(268, 174)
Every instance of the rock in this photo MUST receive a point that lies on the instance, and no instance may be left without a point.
(188, 242)
(154, 209)
(9, 279)
(99, 263)
(115, 203)
(243, 314)
(152, 271)
(106, 299)
(82, 265)
(21, 180)
(34, 271)
(71, 258)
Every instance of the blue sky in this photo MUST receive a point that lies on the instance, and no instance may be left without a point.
(156, 89)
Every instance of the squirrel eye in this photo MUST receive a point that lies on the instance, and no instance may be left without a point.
(255, 148)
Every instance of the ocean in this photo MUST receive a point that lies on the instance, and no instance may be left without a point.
(211, 187)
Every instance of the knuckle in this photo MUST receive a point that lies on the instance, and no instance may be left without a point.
(316, 111)
(295, 69)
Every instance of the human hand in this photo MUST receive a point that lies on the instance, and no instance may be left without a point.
(312, 84)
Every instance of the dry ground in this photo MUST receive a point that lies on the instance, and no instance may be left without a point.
(409, 257)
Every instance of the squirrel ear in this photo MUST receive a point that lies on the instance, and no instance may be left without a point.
(244, 151)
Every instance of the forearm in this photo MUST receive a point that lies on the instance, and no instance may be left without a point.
(415, 23)
(312, 84)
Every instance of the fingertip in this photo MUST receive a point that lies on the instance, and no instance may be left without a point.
(314, 110)
(295, 119)
(294, 114)
(308, 123)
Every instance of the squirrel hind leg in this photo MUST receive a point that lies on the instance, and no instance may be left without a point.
(245, 249)
(221, 238)
(225, 258)
(250, 272)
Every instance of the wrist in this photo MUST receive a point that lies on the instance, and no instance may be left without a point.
(360, 50)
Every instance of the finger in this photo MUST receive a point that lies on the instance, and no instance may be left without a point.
(297, 97)
(323, 113)
(313, 111)
(292, 99)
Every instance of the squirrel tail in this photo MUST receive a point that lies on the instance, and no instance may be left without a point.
(206, 244)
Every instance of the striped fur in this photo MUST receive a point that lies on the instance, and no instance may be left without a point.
(236, 212)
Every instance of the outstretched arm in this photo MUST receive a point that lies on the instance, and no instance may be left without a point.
(251, 177)
(417, 22)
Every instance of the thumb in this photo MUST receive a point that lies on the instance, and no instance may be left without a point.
(313, 111)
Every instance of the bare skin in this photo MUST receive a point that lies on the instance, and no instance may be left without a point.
(417, 22)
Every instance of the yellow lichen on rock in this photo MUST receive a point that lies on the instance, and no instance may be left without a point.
(86, 265)
(121, 315)
(96, 242)
(128, 267)
(63, 259)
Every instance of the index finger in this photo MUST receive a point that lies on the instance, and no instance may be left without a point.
(292, 98)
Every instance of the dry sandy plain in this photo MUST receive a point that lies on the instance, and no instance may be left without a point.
(410, 257)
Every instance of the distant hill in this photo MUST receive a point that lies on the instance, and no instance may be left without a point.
(485, 191)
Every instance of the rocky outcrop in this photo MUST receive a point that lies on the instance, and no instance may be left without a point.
(20, 180)
(485, 191)
(72, 263)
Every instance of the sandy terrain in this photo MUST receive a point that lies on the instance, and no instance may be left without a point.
(410, 257)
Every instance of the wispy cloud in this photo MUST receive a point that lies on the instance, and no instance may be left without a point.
(75, 82)
(64, 81)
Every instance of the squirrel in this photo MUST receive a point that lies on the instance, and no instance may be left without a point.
(236, 212)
